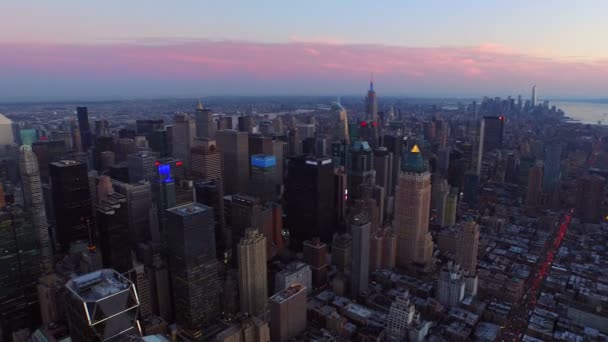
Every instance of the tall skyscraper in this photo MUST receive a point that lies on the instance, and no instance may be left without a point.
(34, 202)
(184, 132)
(194, 269)
(102, 306)
(19, 271)
(534, 190)
(360, 174)
(371, 109)
(84, 129)
(412, 205)
(315, 254)
(309, 193)
(590, 198)
(263, 177)
(394, 144)
(451, 208)
(467, 247)
(360, 229)
(383, 165)
(288, 313)
(492, 131)
(139, 197)
(551, 171)
(341, 133)
(253, 284)
(205, 125)
(234, 146)
(71, 201)
(141, 166)
(533, 99)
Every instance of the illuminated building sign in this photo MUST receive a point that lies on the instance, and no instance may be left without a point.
(263, 160)
(164, 173)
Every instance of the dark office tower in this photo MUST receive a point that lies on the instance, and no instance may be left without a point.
(19, 271)
(383, 165)
(234, 147)
(209, 193)
(359, 169)
(309, 194)
(245, 124)
(309, 147)
(113, 229)
(442, 131)
(47, 152)
(245, 212)
(194, 269)
(288, 313)
(429, 131)
(102, 144)
(34, 202)
(315, 254)
(119, 172)
(138, 198)
(493, 131)
(552, 173)
(161, 141)
(184, 132)
(205, 125)
(142, 166)
(225, 122)
(294, 144)
(338, 153)
(341, 195)
(590, 197)
(534, 190)
(279, 149)
(360, 229)
(470, 188)
(71, 201)
(102, 306)
(259, 144)
(263, 177)
(83, 125)
(163, 191)
(394, 145)
(124, 148)
(145, 127)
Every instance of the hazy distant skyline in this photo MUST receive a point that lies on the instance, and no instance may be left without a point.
(74, 49)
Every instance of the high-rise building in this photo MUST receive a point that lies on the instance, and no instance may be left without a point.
(296, 272)
(234, 146)
(451, 285)
(206, 160)
(342, 251)
(360, 229)
(288, 313)
(184, 132)
(412, 206)
(551, 171)
(86, 137)
(244, 212)
(34, 202)
(141, 166)
(113, 228)
(253, 284)
(209, 193)
(259, 144)
(139, 197)
(246, 329)
(394, 144)
(19, 271)
(371, 109)
(439, 194)
(245, 124)
(309, 193)
(102, 306)
(315, 254)
(451, 208)
(341, 133)
(401, 315)
(467, 247)
(383, 165)
(71, 201)
(194, 269)
(533, 99)
(590, 198)
(492, 132)
(163, 192)
(360, 174)
(383, 249)
(205, 125)
(145, 127)
(263, 177)
(534, 190)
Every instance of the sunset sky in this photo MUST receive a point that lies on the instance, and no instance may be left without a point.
(104, 49)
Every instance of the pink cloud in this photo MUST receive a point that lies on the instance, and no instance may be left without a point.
(486, 68)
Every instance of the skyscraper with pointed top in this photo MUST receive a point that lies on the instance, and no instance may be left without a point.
(371, 110)
(342, 134)
(412, 205)
(34, 202)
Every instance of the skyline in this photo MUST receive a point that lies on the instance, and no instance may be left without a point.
(70, 50)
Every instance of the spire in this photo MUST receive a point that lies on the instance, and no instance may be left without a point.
(415, 149)
(371, 82)
(199, 105)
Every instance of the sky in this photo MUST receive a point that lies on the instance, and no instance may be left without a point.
(74, 49)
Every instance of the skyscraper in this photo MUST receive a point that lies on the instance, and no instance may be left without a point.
(451, 208)
(551, 171)
(234, 146)
(71, 201)
(184, 132)
(141, 166)
(205, 125)
(315, 254)
(83, 126)
(102, 306)
(590, 198)
(467, 247)
(371, 109)
(341, 133)
(263, 177)
(533, 99)
(253, 284)
(139, 197)
(309, 193)
(412, 205)
(492, 132)
(34, 202)
(451, 286)
(401, 315)
(360, 229)
(360, 174)
(534, 190)
(288, 313)
(194, 269)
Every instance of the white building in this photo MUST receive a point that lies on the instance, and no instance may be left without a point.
(451, 285)
(6, 131)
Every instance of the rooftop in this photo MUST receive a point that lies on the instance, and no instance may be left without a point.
(188, 209)
(289, 292)
(97, 285)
